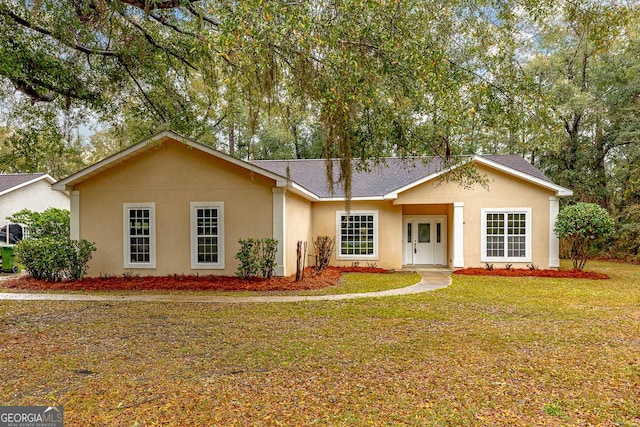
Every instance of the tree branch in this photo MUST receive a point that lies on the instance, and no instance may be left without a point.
(200, 15)
(149, 5)
(162, 20)
(78, 47)
(144, 94)
(155, 44)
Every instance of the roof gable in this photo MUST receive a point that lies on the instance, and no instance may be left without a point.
(132, 151)
(12, 182)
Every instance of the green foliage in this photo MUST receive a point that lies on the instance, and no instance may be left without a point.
(554, 409)
(248, 257)
(257, 257)
(39, 139)
(627, 236)
(583, 226)
(54, 259)
(53, 222)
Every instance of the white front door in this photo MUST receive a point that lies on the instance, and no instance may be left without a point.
(425, 240)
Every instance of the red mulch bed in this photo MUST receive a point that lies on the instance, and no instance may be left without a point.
(520, 272)
(329, 277)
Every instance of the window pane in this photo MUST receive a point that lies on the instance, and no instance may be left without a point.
(424, 233)
(206, 235)
(495, 235)
(139, 235)
(438, 233)
(495, 246)
(357, 234)
(506, 234)
(517, 246)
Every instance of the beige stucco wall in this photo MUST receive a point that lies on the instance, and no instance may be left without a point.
(172, 175)
(504, 191)
(389, 229)
(298, 228)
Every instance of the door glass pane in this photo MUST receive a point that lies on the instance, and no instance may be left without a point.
(409, 232)
(424, 233)
(438, 232)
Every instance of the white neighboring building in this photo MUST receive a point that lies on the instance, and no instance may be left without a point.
(29, 191)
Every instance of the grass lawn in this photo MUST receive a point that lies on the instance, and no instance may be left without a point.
(485, 351)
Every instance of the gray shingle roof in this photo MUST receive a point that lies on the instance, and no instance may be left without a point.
(519, 164)
(376, 180)
(8, 181)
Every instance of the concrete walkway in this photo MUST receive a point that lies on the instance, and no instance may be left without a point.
(430, 281)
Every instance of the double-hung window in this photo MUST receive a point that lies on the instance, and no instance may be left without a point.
(207, 235)
(506, 235)
(357, 234)
(139, 233)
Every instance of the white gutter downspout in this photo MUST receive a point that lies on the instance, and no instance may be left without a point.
(279, 228)
(74, 209)
(554, 242)
(458, 235)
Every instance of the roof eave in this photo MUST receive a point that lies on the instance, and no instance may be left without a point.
(353, 199)
(46, 177)
(558, 189)
(301, 191)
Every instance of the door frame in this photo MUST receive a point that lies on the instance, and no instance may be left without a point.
(406, 253)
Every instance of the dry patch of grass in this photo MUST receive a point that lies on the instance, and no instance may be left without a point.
(485, 351)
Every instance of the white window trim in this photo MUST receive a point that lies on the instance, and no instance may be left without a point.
(528, 235)
(194, 241)
(339, 256)
(126, 207)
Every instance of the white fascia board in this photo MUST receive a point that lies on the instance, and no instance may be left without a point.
(353, 199)
(394, 193)
(560, 191)
(63, 184)
(46, 177)
(114, 158)
(303, 192)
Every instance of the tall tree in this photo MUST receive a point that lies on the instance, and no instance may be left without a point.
(583, 89)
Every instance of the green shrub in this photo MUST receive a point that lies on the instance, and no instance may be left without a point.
(55, 259)
(257, 256)
(583, 226)
(53, 222)
(269, 250)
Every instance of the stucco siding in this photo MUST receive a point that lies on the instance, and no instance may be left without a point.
(298, 228)
(172, 175)
(389, 247)
(504, 191)
(37, 196)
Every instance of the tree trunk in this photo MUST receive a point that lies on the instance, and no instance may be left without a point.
(232, 138)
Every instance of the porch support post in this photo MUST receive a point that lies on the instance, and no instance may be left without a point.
(458, 234)
(279, 229)
(74, 211)
(554, 242)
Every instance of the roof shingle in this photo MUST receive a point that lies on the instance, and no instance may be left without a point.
(375, 180)
(8, 181)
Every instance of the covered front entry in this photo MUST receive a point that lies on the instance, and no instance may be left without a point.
(425, 240)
